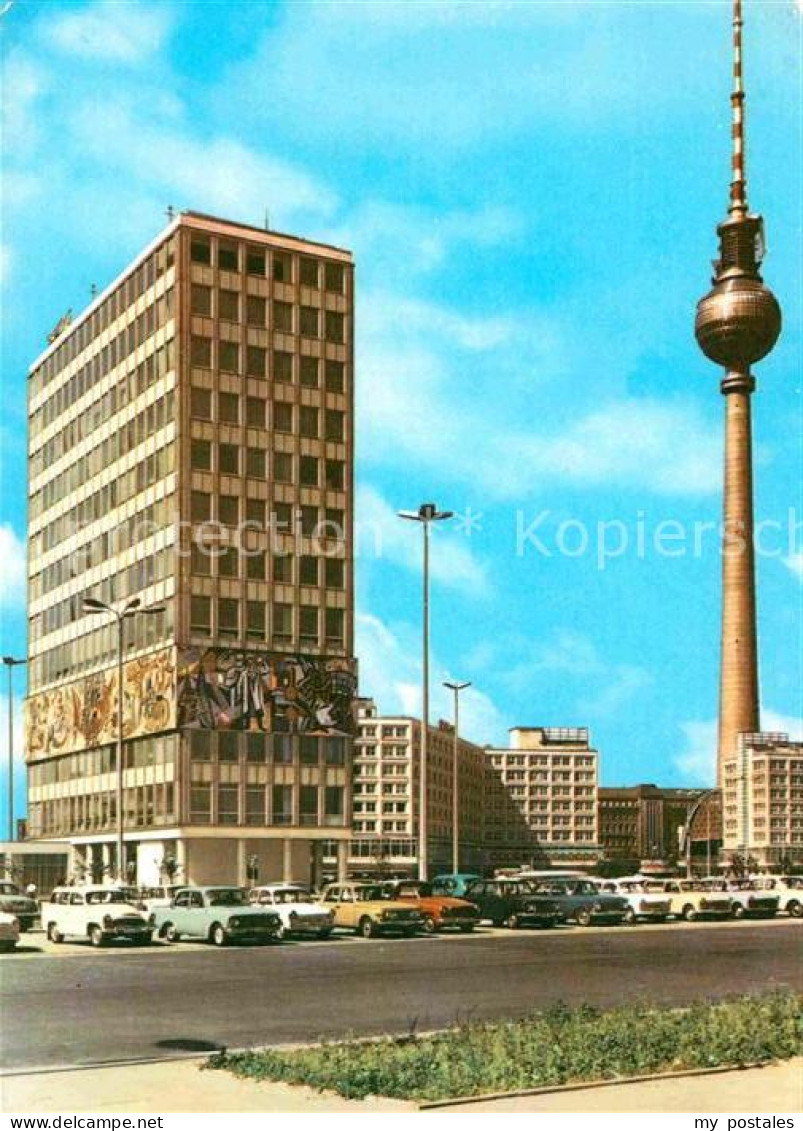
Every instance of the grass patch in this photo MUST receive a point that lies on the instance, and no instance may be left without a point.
(558, 1046)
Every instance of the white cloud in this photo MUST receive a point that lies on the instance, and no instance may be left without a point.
(390, 672)
(381, 535)
(12, 575)
(697, 761)
(109, 31)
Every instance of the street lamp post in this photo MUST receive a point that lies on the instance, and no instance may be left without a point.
(426, 514)
(456, 688)
(11, 663)
(131, 609)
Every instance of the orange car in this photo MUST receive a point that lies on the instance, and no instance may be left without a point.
(439, 912)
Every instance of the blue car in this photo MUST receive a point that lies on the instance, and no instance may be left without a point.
(454, 883)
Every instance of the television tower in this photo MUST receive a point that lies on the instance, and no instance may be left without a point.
(738, 323)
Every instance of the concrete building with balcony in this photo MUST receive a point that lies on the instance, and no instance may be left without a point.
(191, 446)
(541, 799)
(387, 758)
(762, 801)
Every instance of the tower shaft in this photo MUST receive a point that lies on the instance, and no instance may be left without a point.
(738, 688)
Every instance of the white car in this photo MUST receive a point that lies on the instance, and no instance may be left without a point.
(299, 913)
(789, 890)
(641, 903)
(746, 898)
(161, 896)
(96, 912)
(9, 931)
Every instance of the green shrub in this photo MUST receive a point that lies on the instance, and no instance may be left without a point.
(554, 1047)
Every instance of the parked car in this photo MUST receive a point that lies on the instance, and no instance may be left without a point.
(220, 915)
(580, 902)
(454, 883)
(641, 904)
(98, 912)
(15, 902)
(789, 890)
(363, 908)
(746, 899)
(9, 931)
(692, 899)
(160, 896)
(298, 912)
(440, 912)
(513, 903)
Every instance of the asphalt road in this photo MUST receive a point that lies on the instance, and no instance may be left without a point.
(91, 1007)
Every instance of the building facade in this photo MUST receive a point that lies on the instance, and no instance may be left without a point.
(387, 759)
(762, 800)
(647, 823)
(191, 447)
(542, 799)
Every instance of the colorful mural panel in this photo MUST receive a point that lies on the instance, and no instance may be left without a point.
(232, 689)
(83, 714)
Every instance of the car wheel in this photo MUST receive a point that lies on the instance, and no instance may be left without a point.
(367, 928)
(512, 922)
(428, 926)
(584, 917)
(218, 935)
(794, 908)
(690, 913)
(143, 940)
(629, 917)
(96, 936)
(6, 947)
(466, 928)
(53, 934)
(737, 911)
(170, 934)
(497, 922)
(325, 934)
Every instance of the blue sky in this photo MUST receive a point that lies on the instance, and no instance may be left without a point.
(531, 192)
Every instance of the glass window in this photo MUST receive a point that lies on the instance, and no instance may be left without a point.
(228, 509)
(308, 624)
(334, 801)
(282, 416)
(308, 374)
(335, 620)
(308, 750)
(228, 407)
(255, 806)
(283, 517)
(283, 749)
(283, 317)
(255, 361)
(228, 258)
(335, 474)
(255, 463)
(282, 267)
(334, 424)
(255, 511)
(201, 804)
(255, 408)
(283, 568)
(282, 366)
(228, 746)
(200, 251)
(308, 471)
(228, 809)
(200, 561)
(309, 321)
(200, 506)
(282, 804)
(308, 570)
(308, 271)
(334, 573)
(335, 327)
(228, 616)
(282, 622)
(255, 622)
(283, 467)
(309, 521)
(201, 615)
(228, 305)
(308, 421)
(201, 403)
(335, 380)
(201, 300)
(334, 277)
(308, 798)
(201, 455)
(229, 459)
(256, 747)
(228, 562)
(255, 261)
(335, 751)
(256, 565)
(229, 357)
(255, 310)
(201, 352)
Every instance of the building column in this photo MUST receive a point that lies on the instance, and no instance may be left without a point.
(183, 861)
(342, 861)
(242, 863)
(316, 858)
(287, 860)
(105, 860)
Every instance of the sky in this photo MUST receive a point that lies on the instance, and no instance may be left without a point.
(531, 192)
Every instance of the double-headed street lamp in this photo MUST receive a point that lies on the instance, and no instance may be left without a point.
(129, 610)
(426, 514)
(456, 688)
(11, 663)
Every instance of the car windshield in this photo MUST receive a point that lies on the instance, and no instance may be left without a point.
(227, 897)
(113, 895)
(629, 886)
(291, 895)
(9, 889)
(696, 885)
(792, 881)
(368, 893)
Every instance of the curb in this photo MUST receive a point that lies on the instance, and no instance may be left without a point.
(585, 1086)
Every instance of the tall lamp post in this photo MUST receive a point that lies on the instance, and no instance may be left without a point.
(426, 514)
(11, 663)
(129, 610)
(456, 688)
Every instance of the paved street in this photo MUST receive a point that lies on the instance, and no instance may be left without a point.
(88, 1007)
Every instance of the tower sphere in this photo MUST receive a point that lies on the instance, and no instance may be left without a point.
(738, 322)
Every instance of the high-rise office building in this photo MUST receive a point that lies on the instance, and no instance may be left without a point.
(762, 801)
(191, 449)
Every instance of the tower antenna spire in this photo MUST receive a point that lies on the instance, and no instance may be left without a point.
(738, 194)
